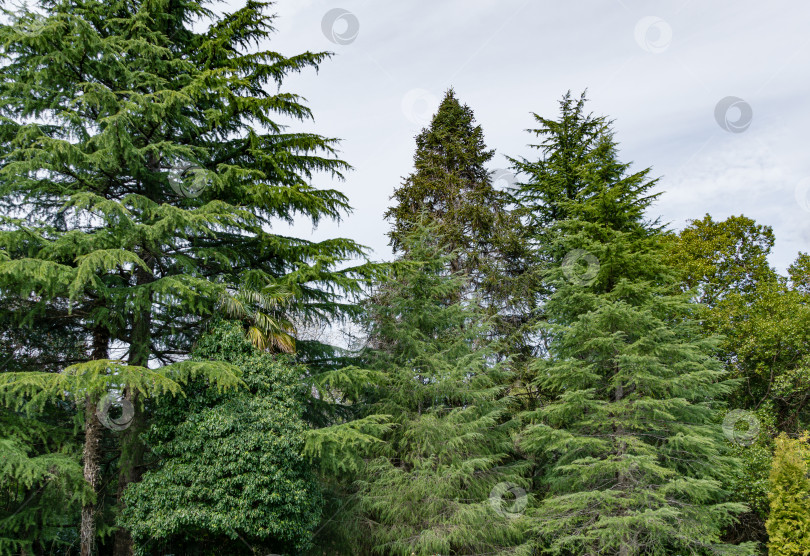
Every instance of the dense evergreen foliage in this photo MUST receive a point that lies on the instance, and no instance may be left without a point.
(443, 391)
(452, 188)
(633, 460)
(789, 522)
(541, 370)
(229, 472)
(138, 186)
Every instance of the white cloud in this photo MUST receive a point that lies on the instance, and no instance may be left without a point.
(512, 57)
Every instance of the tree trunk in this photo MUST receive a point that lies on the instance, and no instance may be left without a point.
(92, 474)
(131, 461)
(91, 457)
(132, 448)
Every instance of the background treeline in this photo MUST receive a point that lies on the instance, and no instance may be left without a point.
(546, 369)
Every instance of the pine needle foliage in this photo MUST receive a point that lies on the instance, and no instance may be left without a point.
(632, 455)
(425, 488)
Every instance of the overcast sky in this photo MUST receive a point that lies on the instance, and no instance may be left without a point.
(660, 69)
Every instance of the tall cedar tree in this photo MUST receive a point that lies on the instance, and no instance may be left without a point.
(425, 489)
(547, 184)
(142, 165)
(634, 460)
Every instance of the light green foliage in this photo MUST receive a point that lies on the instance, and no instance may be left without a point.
(764, 320)
(146, 155)
(799, 273)
(340, 448)
(721, 258)
(229, 471)
(789, 522)
(31, 391)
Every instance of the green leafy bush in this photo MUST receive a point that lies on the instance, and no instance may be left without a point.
(229, 476)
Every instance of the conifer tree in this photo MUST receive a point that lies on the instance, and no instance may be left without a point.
(574, 150)
(427, 487)
(789, 522)
(548, 184)
(633, 458)
(143, 161)
(452, 188)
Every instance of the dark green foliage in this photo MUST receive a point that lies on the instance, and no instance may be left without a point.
(577, 159)
(451, 191)
(41, 482)
(145, 155)
(555, 351)
(577, 156)
(229, 473)
(633, 456)
(92, 188)
(451, 187)
(425, 488)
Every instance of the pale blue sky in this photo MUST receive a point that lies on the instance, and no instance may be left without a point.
(658, 68)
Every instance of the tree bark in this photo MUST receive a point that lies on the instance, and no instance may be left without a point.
(132, 448)
(92, 474)
(91, 458)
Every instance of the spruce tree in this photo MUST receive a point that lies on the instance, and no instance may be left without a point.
(144, 158)
(451, 190)
(632, 453)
